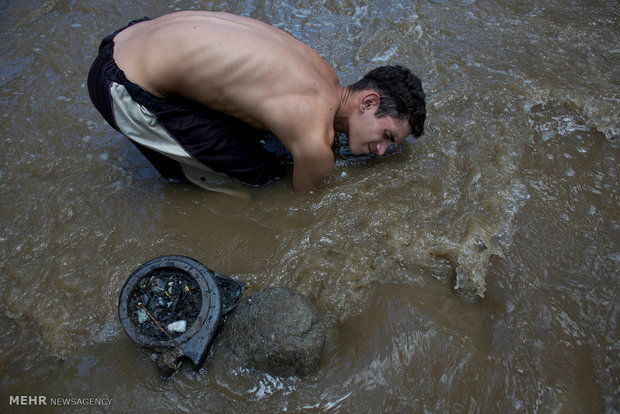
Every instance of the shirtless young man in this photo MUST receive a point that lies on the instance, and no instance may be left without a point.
(196, 92)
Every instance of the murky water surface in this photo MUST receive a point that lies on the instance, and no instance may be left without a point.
(473, 270)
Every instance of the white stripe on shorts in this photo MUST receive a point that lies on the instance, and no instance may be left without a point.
(141, 126)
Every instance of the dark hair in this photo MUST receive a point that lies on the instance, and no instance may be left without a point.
(401, 94)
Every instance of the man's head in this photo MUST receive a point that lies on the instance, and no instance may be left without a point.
(391, 106)
(401, 93)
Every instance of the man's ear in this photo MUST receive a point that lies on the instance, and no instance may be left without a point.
(370, 100)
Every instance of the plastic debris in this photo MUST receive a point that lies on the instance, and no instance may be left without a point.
(177, 326)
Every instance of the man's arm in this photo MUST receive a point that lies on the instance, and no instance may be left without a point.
(311, 165)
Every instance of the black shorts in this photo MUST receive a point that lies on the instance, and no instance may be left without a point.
(181, 138)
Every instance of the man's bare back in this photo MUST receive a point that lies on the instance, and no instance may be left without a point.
(243, 68)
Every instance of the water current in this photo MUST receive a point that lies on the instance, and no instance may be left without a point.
(472, 270)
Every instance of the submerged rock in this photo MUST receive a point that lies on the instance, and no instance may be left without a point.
(142, 316)
(276, 330)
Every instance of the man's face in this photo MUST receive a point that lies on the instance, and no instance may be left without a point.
(369, 134)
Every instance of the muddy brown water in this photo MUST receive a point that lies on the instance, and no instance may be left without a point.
(511, 196)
